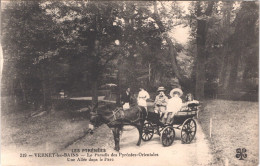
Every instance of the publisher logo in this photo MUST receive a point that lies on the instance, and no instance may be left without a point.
(241, 153)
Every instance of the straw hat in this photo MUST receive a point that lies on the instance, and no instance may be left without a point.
(161, 88)
(176, 90)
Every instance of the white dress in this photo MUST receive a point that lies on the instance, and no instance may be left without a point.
(142, 97)
(174, 105)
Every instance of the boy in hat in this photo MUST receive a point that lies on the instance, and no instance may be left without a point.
(174, 104)
(160, 102)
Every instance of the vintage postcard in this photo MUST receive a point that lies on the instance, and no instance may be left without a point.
(123, 83)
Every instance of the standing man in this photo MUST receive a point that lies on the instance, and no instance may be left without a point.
(142, 97)
(126, 99)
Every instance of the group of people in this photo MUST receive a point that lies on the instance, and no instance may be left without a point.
(164, 106)
(126, 98)
(168, 107)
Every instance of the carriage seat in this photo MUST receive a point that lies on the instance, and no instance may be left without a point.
(191, 106)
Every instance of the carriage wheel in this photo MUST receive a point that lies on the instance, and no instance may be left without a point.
(148, 131)
(167, 136)
(188, 131)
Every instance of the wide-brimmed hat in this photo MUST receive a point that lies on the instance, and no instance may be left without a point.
(176, 90)
(161, 88)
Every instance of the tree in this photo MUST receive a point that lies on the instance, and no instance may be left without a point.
(88, 29)
(28, 34)
(172, 50)
(202, 21)
(244, 41)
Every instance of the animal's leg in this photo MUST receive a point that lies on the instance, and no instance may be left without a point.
(114, 134)
(120, 131)
(140, 129)
(116, 138)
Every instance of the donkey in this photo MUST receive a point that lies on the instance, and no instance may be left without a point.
(115, 118)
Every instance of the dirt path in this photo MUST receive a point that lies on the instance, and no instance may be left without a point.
(62, 135)
(196, 153)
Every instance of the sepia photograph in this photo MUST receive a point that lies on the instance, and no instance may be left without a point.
(129, 83)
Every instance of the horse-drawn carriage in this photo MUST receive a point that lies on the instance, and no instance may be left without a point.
(182, 120)
(116, 117)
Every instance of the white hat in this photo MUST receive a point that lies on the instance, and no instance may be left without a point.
(176, 90)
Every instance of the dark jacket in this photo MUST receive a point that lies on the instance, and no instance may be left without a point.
(125, 98)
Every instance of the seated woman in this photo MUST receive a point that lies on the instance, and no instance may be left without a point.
(174, 105)
(160, 102)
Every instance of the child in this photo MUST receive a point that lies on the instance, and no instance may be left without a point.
(189, 100)
(174, 104)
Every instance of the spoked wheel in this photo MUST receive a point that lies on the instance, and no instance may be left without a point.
(148, 132)
(188, 131)
(167, 136)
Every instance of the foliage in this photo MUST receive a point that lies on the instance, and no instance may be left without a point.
(77, 46)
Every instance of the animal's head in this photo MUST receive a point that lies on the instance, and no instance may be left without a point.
(95, 117)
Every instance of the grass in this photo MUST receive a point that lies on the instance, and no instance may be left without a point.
(234, 125)
(48, 132)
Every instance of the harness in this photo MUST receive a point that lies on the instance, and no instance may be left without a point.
(120, 110)
(114, 113)
(122, 115)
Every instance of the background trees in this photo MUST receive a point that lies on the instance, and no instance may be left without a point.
(224, 67)
(28, 36)
(79, 46)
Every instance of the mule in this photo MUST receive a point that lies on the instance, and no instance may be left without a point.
(115, 118)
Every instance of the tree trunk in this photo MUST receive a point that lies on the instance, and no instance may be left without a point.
(224, 67)
(94, 91)
(200, 66)
(95, 72)
(119, 81)
(222, 70)
(46, 88)
(172, 51)
(201, 48)
(233, 75)
(118, 97)
(200, 75)
(226, 76)
(24, 98)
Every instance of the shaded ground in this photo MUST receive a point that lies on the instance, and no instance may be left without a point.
(234, 125)
(21, 129)
(50, 132)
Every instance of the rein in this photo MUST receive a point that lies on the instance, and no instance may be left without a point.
(117, 110)
(117, 117)
(114, 115)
